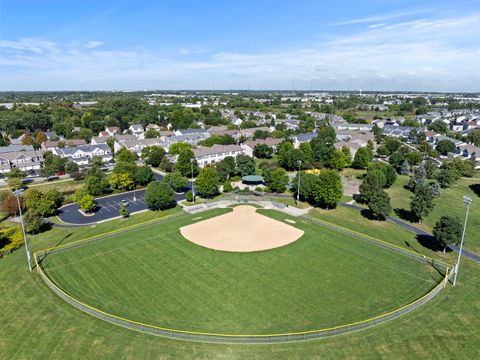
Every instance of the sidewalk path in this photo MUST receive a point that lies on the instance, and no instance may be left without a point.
(466, 253)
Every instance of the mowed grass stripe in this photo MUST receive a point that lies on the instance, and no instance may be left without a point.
(156, 276)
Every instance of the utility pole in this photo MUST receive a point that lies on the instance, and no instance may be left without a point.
(17, 194)
(299, 162)
(193, 185)
(467, 200)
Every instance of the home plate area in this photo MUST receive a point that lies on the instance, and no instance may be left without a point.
(242, 230)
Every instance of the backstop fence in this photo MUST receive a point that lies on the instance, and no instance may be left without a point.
(244, 338)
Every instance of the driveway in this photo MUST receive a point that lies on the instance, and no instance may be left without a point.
(108, 207)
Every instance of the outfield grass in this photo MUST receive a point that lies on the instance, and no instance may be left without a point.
(37, 324)
(160, 278)
(449, 203)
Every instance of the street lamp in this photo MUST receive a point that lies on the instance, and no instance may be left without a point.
(17, 194)
(467, 200)
(299, 162)
(193, 186)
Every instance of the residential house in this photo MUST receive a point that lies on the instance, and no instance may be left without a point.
(137, 145)
(211, 155)
(350, 126)
(249, 145)
(302, 138)
(468, 152)
(50, 145)
(397, 131)
(190, 131)
(119, 137)
(137, 130)
(84, 153)
(23, 157)
(109, 131)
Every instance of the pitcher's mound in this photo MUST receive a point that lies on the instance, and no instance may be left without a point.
(241, 230)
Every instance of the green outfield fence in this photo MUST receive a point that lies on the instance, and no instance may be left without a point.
(246, 338)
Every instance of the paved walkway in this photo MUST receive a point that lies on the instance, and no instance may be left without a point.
(466, 253)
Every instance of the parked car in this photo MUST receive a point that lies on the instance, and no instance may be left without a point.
(124, 202)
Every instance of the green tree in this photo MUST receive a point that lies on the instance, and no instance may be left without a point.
(71, 167)
(87, 203)
(387, 170)
(159, 195)
(379, 204)
(207, 182)
(245, 165)
(373, 182)
(328, 189)
(226, 168)
(262, 151)
(186, 160)
(422, 203)
(348, 154)
(445, 146)
(307, 184)
(125, 155)
(33, 222)
(430, 168)
(123, 211)
(414, 157)
(362, 157)
(227, 186)
(176, 180)
(177, 148)
(143, 175)
(96, 182)
(405, 169)
(447, 177)
(418, 178)
(122, 182)
(277, 180)
(438, 126)
(151, 134)
(337, 161)
(447, 231)
(306, 148)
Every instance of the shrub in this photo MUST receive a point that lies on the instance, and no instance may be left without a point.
(189, 196)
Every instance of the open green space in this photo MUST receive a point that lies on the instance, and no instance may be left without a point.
(449, 203)
(158, 277)
(36, 323)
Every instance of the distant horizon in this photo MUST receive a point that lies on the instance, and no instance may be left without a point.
(246, 90)
(424, 46)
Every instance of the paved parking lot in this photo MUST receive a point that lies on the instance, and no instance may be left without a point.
(108, 207)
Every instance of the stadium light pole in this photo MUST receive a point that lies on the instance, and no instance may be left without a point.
(193, 186)
(299, 162)
(17, 194)
(467, 200)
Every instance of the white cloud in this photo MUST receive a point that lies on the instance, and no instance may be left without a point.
(383, 17)
(436, 55)
(94, 44)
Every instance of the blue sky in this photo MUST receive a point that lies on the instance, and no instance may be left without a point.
(263, 44)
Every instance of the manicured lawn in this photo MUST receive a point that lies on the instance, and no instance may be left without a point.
(449, 203)
(158, 277)
(37, 324)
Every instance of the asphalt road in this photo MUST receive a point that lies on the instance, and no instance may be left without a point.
(108, 207)
(466, 253)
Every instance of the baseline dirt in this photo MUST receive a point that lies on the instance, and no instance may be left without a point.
(242, 230)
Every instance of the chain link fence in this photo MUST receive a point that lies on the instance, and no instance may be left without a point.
(239, 338)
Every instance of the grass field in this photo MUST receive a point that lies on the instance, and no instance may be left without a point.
(449, 203)
(160, 278)
(37, 324)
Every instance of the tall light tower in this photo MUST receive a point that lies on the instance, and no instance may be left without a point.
(467, 200)
(299, 163)
(193, 185)
(17, 194)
